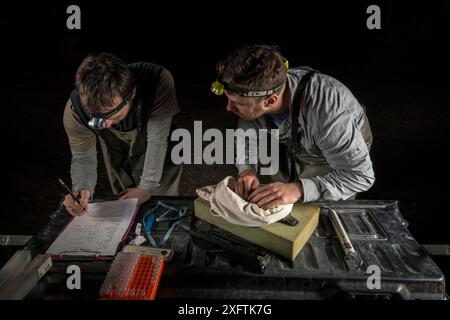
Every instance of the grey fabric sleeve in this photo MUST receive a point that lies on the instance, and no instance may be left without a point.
(242, 142)
(242, 167)
(345, 150)
(158, 129)
(83, 170)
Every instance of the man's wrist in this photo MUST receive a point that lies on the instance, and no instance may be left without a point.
(148, 187)
(300, 190)
(84, 189)
(144, 190)
(247, 172)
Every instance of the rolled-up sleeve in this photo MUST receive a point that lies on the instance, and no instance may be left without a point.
(82, 143)
(165, 106)
(246, 157)
(158, 129)
(343, 146)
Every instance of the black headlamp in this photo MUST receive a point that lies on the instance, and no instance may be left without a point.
(219, 86)
(243, 92)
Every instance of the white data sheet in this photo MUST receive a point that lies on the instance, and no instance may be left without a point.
(97, 233)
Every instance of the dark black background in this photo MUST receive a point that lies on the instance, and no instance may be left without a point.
(400, 73)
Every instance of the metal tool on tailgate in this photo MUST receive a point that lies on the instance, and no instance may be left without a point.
(21, 274)
(14, 240)
(289, 220)
(437, 249)
(254, 258)
(352, 258)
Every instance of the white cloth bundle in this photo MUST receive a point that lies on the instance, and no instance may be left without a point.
(227, 204)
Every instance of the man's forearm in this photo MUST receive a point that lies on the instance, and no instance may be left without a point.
(246, 167)
(83, 170)
(244, 147)
(337, 185)
(158, 130)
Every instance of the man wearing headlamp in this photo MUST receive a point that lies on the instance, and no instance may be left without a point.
(127, 110)
(324, 133)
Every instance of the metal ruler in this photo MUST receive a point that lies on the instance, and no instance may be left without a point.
(18, 284)
(437, 249)
(14, 240)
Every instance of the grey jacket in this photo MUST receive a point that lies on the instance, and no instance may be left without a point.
(335, 160)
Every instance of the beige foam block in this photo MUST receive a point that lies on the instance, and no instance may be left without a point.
(282, 239)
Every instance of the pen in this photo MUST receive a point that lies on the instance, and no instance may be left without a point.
(70, 192)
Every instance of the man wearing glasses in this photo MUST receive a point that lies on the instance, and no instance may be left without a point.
(324, 133)
(128, 109)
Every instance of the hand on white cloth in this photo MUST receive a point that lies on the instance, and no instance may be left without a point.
(247, 182)
(275, 194)
(227, 204)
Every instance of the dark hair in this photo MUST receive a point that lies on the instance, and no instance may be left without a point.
(255, 67)
(102, 77)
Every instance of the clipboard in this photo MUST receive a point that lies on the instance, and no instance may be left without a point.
(108, 221)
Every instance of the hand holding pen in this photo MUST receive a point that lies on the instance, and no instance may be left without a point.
(76, 203)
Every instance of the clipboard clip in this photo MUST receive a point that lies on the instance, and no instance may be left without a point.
(79, 254)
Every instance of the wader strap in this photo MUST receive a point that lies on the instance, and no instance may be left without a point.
(296, 105)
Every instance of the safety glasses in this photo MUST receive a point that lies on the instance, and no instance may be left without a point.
(112, 112)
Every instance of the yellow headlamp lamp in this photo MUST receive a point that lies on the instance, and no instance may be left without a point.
(217, 88)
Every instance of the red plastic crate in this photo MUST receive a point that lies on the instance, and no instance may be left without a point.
(133, 276)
